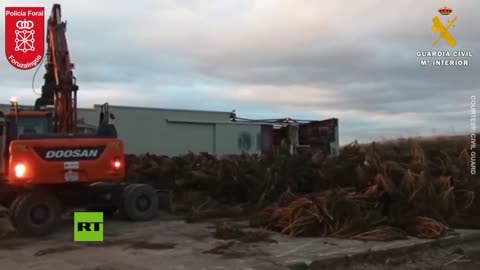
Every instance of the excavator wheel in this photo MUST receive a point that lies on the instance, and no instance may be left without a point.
(36, 214)
(139, 202)
(11, 210)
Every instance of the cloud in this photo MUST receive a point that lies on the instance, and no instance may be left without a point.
(306, 59)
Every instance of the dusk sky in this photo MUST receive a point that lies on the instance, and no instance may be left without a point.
(305, 59)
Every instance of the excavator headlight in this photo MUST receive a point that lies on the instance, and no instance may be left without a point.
(20, 170)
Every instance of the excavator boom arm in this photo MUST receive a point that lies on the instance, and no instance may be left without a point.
(60, 87)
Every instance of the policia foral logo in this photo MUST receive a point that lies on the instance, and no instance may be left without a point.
(88, 227)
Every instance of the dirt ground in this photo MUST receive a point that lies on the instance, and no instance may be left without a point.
(456, 257)
(170, 243)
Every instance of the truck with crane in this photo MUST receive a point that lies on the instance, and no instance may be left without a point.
(48, 169)
(297, 135)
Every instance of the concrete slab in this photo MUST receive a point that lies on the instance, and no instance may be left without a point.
(173, 244)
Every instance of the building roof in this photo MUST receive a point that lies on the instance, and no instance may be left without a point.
(160, 109)
(129, 107)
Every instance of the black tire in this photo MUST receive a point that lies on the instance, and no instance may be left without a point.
(139, 202)
(11, 210)
(108, 211)
(36, 203)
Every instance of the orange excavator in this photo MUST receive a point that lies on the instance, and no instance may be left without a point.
(47, 169)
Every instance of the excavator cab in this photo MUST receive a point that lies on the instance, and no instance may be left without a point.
(27, 123)
(19, 123)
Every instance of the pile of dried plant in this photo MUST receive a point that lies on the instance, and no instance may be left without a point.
(376, 191)
(412, 193)
(383, 211)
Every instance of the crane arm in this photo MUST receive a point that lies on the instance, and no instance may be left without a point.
(60, 87)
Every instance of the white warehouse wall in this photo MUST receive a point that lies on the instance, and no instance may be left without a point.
(235, 138)
(166, 131)
(174, 132)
